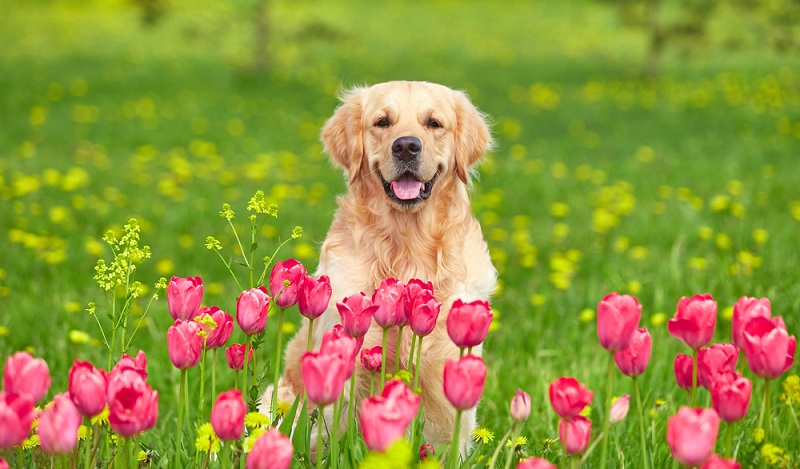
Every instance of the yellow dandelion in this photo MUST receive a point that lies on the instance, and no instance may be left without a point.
(658, 319)
(727, 313)
(30, 443)
(482, 435)
(4, 331)
(697, 263)
(518, 443)
(587, 315)
(101, 418)
(289, 328)
(760, 236)
(634, 287)
(141, 456)
(84, 433)
(256, 420)
(738, 210)
(78, 337)
(795, 209)
(723, 241)
(206, 441)
(538, 299)
(587, 411)
(283, 407)
(621, 244)
(559, 209)
(720, 203)
(250, 441)
(705, 233)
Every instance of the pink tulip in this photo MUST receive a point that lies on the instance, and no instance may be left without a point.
(337, 342)
(382, 422)
(406, 400)
(3, 464)
(717, 462)
(464, 380)
(745, 309)
(426, 452)
(324, 376)
(694, 321)
(184, 344)
(633, 360)
(24, 374)
(468, 323)
(416, 287)
(356, 312)
(424, 313)
(568, 397)
(235, 356)
(184, 296)
(58, 426)
(87, 388)
(576, 432)
(520, 406)
(535, 463)
(132, 403)
(768, 347)
(314, 296)
(683, 371)
(617, 319)
(286, 281)
(129, 363)
(219, 335)
(691, 435)
(730, 396)
(251, 310)
(272, 450)
(16, 416)
(619, 409)
(714, 360)
(392, 302)
(227, 415)
(371, 359)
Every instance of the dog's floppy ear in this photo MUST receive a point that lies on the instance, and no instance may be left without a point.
(472, 134)
(342, 133)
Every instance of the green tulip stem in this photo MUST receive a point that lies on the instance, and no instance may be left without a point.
(645, 460)
(383, 358)
(246, 360)
(320, 421)
(179, 436)
(397, 353)
(453, 456)
(606, 410)
(416, 365)
(694, 379)
(277, 367)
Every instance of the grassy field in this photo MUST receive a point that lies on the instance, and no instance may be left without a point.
(602, 180)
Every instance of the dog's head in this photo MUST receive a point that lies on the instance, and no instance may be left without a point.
(408, 138)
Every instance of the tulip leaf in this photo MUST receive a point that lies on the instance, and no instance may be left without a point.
(288, 419)
(301, 435)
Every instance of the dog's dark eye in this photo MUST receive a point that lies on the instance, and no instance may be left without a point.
(434, 124)
(382, 122)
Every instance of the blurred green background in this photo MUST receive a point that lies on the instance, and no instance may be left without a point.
(643, 147)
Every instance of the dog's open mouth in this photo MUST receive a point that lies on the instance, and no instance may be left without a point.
(407, 190)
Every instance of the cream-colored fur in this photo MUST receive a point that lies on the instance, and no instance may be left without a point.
(372, 237)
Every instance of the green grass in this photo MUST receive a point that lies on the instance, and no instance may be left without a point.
(166, 124)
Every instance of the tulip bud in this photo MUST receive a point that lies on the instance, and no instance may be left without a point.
(87, 388)
(184, 296)
(58, 426)
(683, 371)
(575, 433)
(251, 310)
(272, 449)
(569, 397)
(768, 347)
(694, 321)
(633, 360)
(468, 323)
(745, 309)
(184, 344)
(617, 319)
(235, 356)
(619, 409)
(371, 359)
(464, 380)
(392, 302)
(286, 281)
(314, 296)
(691, 435)
(24, 374)
(520, 406)
(356, 312)
(227, 415)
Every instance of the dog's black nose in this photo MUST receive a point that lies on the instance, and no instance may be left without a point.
(406, 148)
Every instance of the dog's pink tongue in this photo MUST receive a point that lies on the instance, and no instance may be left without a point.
(407, 188)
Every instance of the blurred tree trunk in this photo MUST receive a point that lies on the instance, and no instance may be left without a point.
(261, 24)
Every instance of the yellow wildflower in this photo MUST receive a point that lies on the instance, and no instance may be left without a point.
(206, 441)
(482, 435)
(518, 444)
(771, 454)
(791, 388)
(758, 435)
(587, 315)
(30, 443)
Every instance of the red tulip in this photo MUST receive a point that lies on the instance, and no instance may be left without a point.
(745, 309)
(337, 342)
(251, 310)
(129, 363)
(683, 371)
(535, 463)
(576, 432)
(691, 435)
(3, 464)
(184, 296)
(464, 380)
(371, 359)
(768, 347)
(520, 406)
(382, 422)
(16, 416)
(468, 323)
(324, 376)
(58, 426)
(356, 312)
(633, 360)
(617, 319)
(619, 409)
(314, 296)
(424, 313)
(272, 450)
(393, 303)
(286, 281)
(235, 356)
(426, 452)
(227, 415)
(730, 396)
(711, 361)
(717, 462)
(568, 397)
(87, 388)
(24, 374)
(219, 335)
(416, 287)
(694, 321)
(132, 403)
(184, 344)
(406, 400)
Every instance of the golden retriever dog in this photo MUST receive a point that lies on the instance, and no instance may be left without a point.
(407, 149)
